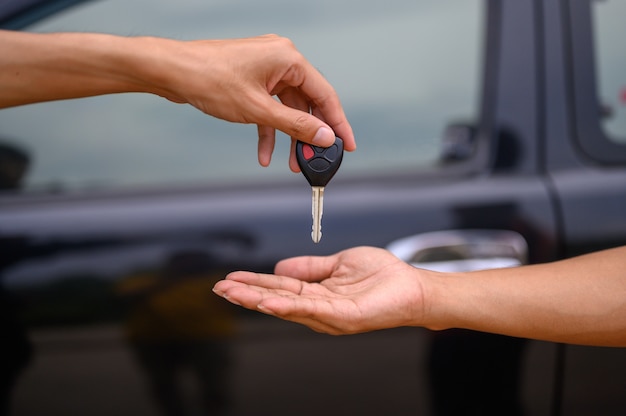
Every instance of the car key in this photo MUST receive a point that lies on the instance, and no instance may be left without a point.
(318, 165)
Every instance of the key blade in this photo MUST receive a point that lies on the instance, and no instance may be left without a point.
(317, 209)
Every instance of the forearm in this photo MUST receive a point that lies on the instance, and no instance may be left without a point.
(44, 67)
(580, 300)
(235, 80)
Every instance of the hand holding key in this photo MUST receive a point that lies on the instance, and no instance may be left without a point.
(319, 165)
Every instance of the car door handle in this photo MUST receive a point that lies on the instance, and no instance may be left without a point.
(462, 250)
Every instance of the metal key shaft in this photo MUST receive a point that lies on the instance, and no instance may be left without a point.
(317, 209)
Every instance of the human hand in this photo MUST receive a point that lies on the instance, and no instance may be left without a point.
(357, 290)
(236, 80)
(579, 300)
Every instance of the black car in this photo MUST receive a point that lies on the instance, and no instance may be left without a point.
(477, 122)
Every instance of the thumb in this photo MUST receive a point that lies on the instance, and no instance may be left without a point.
(307, 268)
(301, 125)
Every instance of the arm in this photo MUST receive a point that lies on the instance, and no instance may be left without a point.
(581, 300)
(230, 79)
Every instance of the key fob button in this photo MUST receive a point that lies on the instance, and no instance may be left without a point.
(331, 153)
(308, 152)
(319, 164)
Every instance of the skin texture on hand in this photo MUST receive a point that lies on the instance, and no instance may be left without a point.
(237, 80)
(352, 291)
(580, 300)
(246, 74)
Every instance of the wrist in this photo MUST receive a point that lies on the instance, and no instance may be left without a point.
(166, 67)
(146, 62)
(140, 64)
(443, 303)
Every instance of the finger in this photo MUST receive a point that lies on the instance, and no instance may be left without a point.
(321, 315)
(267, 281)
(284, 298)
(307, 268)
(292, 98)
(294, 122)
(281, 304)
(245, 295)
(322, 95)
(267, 140)
(317, 113)
(293, 160)
(310, 312)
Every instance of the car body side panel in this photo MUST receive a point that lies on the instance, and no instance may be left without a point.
(78, 257)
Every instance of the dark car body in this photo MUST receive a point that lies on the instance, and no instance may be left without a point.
(95, 323)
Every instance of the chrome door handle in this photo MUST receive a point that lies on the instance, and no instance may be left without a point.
(462, 250)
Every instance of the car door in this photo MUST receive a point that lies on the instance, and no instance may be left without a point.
(586, 161)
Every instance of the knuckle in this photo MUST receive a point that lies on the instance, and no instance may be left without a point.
(285, 41)
(299, 125)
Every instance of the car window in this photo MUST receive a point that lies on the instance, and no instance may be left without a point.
(404, 70)
(609, 35)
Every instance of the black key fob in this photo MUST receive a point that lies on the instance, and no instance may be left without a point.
(319, 164)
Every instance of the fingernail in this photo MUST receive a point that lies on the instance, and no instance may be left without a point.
(263, 309)
(225, 296)
(323, 137)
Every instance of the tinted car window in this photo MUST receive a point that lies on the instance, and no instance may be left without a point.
(402, 73)
(596, 62)
(609, 34)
